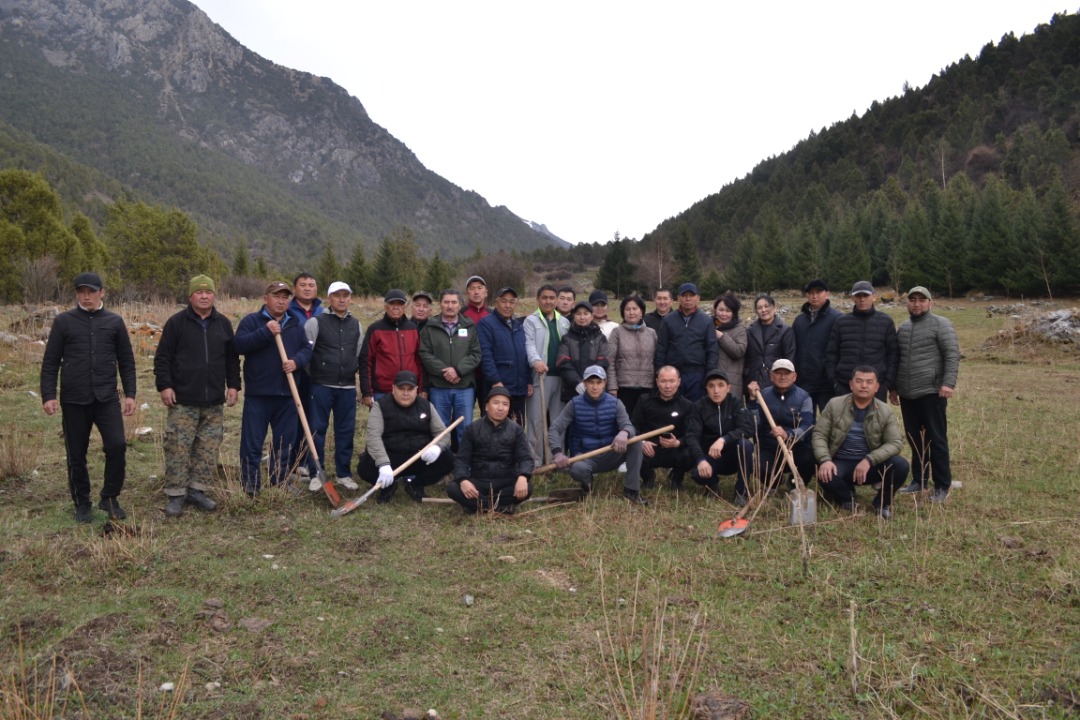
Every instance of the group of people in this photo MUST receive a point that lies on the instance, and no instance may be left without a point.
(557, 384)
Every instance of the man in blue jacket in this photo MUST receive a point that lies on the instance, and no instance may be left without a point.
(687, 341)
(268, 400)
(812, 329)
(504, 359)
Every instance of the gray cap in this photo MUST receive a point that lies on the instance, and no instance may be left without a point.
(594, 371)
(920, 290)
(395, 296)
(863, 287)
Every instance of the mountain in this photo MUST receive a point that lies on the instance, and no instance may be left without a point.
(156, 98)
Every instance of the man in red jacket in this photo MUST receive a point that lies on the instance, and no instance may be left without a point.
(391, 345)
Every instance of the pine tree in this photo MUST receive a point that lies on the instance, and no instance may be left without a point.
(1062, 233)
(438, 275)
(329, 269)
(687, 258)
(617, 272)
(241, 262)
(356, 271)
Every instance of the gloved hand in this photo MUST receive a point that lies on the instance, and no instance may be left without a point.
(561, 461)
(386, 476)
(619, 443)
(580, 389)
(431, 454)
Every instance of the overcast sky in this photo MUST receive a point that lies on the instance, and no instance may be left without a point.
(595, 117)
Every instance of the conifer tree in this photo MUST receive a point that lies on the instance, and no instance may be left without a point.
(356, 271)
(438, 274)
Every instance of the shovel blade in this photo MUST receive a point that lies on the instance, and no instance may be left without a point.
(573, 494)
(733, 527)
(329, 489)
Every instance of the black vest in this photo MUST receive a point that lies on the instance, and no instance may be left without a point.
(405, 430)
(334, 358)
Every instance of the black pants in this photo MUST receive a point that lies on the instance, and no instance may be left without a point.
(677, 459)
(78, 420)
(736, 458)
(820, 399)
(498, 494)
(927, 430)
(891, 474)
(425, 474)
(629, 397)
(769, 454)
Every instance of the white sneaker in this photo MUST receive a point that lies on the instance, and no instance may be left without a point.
(315, 485)
(347, 482)
(622, 469)
(303, 471)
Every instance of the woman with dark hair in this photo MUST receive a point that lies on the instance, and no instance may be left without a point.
(633, 348)
(768, 340)
(581, 346)
(731, 337)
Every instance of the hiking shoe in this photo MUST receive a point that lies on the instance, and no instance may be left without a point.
(741, 500)
(648, 484)
(848, 506)
(175, 506)
(586, 486)
(634, 497)
(675, 478)
(200, 500)
(112, 506)
(939, 495)
(303, 471)
(84, 513)
(412, 488)
(884, 513)
(347, 482)
(315, 484)
(504, 508)
(386, 494)
(621, 469)
(911, 489)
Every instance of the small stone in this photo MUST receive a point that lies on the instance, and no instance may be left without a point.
(507, 559)
(469, 600)
(439, 630)
(432, 714)
(213, 603)
(412, 714)
(1012, 542)
(268, 557)
(167, 687)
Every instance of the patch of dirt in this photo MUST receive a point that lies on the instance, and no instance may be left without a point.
(554, 578)
(100, 670)
(31, 629)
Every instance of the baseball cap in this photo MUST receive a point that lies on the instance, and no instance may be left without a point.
(475, 278)
(597, 296)
(594, 371)
(423, 294)
(90, 280)
(504, 290)
(581, 304)
(920, 290)
(863, 287)
(689, 288)
(406, 377)
(338, 286)
(783, 364)
(717, 373)
(276, 287)
(395, 295)
(816, 284)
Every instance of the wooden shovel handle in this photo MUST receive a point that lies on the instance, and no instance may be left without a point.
(434, 441)
(607, 448)
(800, 486)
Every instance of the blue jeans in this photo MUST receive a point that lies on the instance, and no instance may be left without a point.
(341, 402)
(452, 403)
(278, 412)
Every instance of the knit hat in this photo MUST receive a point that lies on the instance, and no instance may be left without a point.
(200, 282)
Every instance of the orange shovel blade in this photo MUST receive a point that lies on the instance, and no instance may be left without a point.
(733, 527)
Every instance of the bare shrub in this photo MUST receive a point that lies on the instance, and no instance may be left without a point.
(40, 279)
(557, 275)
(241, 286)
(18, 452)
(500, 270)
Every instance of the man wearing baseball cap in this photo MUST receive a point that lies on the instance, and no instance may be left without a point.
(717, 437)
(862, 337)
(92, 345)
(687, 341)
(593, 420)
(421, 308)
(197, 373)
(268, 400)
(400, 425)
(391, 344)
(812, 329)
(792, 410)
(476, 309)
(929, 363)
(502, 352)
(335, 338)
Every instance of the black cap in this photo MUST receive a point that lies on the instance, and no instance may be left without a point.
(406, 377)
(597, 296)
(395, 296)
(504, 290)
(581, 304)
(816, 284)
(497, 391)
(688, 288)
(717, 373)
(90, 280)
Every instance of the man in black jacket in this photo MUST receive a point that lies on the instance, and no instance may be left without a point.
(197, 373)
(91, 344)
(717, 435)
(863, 337)
(812, 329)
(494, 463)
(687, 340)
(665, 405)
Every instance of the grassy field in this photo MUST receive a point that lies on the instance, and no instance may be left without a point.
(270, 609)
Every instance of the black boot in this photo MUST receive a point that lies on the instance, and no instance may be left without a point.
(175, 506)
(199, 499)
(112, 506)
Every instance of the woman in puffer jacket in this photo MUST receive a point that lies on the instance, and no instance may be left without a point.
(633, 348)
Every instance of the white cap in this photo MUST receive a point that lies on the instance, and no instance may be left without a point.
(338, 287)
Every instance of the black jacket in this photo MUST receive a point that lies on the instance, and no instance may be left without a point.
(862, 338)
(653, 412)
(709, 422)
(765, 344)
(579, 348)
(198, 364)
(87, 349)
(493, 452)
(811, 343)
(687, 342)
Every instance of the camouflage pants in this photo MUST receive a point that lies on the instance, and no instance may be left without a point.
(193, 437)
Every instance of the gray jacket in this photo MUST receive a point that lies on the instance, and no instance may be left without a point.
(732, 349)
(929, 356)
(630, 362)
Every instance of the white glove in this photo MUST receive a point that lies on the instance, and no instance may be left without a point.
(431, 454)
(386, 476)
(580, 389)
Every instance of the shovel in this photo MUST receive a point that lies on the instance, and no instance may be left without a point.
(607, 448)
(803, 505)
(558, 495)
(357, 502)
(327, 486)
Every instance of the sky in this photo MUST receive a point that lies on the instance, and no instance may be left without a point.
(596, 117)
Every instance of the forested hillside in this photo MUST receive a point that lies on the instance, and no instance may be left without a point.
(969, 183)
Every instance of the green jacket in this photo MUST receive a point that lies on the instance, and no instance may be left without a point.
(882, 431)
(440, 350)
